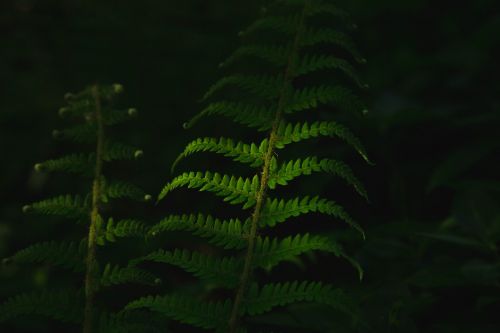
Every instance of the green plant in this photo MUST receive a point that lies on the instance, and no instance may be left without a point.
(94, 107)
(288, 51)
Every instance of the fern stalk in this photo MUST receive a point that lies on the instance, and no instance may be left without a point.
(90, 275)
(261, 194)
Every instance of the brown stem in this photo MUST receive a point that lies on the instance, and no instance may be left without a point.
(91, 283)
(261, 194)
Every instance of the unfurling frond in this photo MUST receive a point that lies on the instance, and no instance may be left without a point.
(235, 190)
(208, 315)
(228, 234)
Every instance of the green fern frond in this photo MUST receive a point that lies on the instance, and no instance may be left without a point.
(293, 169)
(86, 133)
(70, 255)
(115, 275)
(260, 85)
(242, 113)
(239, 151)
(219, 271)
(118, 151)
(324, 8)
(130, 322)
(65, 306)
(228, 234)
(73, 207)
(280, 24)
(275, 55)
(120, 190)
(74, 163)
(288, 133)
(263, 299)
(122, 229)
(208, 315)
(328, 36)
(314, 63)
(311, 97)
(114, 117)
(277, 211)
(270, 252)
(235, 190)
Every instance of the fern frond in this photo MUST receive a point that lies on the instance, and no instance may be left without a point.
(239, 151)
(261, 300)
(78, 107)
(219, 271)
(323, 8)
(288, 133)
(329, 36)
(130, 322)
(277, 211)
(280, 24)
(242, 113)
(208, 315)
(74, 163)
(70, 255)
(65, 306)
(293, 169)
(272, 54)
(312, 97)
(114, 117)
(270, 252)
(235, 190)
(229, 234)
(260, 85)
(64, 205)
(114, 275)
(118, 151)
(85, 133)
(314, 63)
(120, 190)
(123, 228)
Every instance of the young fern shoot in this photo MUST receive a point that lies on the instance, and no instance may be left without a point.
(93, 108)
(289, 44)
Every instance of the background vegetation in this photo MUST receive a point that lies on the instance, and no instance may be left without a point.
(433, 226)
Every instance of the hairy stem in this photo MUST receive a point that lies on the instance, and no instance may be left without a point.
(264, 180)
(91, 283)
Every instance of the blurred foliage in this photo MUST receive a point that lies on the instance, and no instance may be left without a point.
(433, 227)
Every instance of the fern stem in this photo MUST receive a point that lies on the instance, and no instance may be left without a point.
(261, 194)
(91, 283)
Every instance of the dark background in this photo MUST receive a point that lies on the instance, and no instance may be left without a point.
(431, 256)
